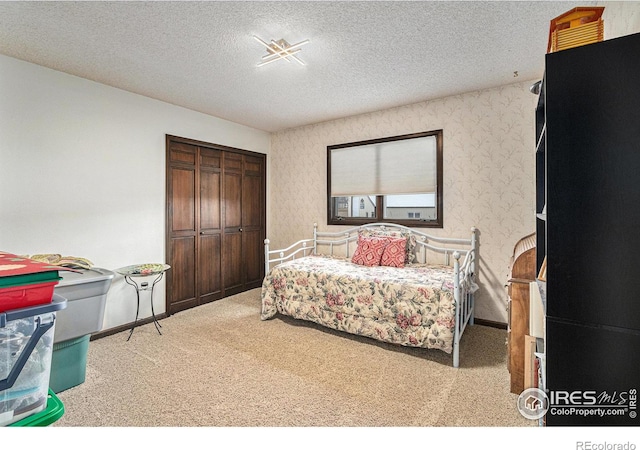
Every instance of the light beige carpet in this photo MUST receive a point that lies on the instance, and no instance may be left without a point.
(219, 365)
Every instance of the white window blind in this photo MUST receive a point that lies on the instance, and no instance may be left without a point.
(397, 167)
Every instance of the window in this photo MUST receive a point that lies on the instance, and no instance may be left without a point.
(394, 179)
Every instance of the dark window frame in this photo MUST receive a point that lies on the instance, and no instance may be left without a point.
(422, 223)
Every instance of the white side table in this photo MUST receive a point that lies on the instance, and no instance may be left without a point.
(140, 271)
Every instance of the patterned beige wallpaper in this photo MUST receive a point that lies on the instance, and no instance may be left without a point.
(489, 174)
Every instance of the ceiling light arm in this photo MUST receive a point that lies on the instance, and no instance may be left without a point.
(267, 61)
(286, 50)
(294, 46)
(280, 50)
(278, 55)
(272, 53)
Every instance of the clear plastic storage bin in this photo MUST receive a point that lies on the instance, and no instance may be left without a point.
(26, 347)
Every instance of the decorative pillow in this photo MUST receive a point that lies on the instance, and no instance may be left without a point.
(369, 251)
(394, 252)
(410, 255)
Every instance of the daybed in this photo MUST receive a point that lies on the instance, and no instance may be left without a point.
(348, 281)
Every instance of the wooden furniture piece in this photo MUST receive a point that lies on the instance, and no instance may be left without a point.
(216, 222)
(580, 26)
(530, 366)
(587, 177)
(522, 271)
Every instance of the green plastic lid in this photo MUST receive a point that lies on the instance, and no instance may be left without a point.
(29, 279)
(18, 270)
(53, 412)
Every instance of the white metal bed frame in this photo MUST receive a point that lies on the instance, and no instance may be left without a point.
(464, 272)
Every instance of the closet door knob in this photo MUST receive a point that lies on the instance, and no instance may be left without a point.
(240, 229)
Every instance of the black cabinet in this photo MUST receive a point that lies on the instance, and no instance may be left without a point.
(592, 372)
(588, 182)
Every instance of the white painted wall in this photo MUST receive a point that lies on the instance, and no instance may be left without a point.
(620, 18)
(82, 172)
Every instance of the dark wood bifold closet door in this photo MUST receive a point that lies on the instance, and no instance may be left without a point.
(182, 229)
(210, 230)
(232, 251)
(253, 221)
(215, 222)
(243, 223)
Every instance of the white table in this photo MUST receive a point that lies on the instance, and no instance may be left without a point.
(144, 271)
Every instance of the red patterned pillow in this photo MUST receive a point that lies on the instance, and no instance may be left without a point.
(369, 251)
(394, 252)
(410, 255)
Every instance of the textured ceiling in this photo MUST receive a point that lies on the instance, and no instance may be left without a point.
(363, 56)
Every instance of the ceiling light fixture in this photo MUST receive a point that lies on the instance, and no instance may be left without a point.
(280, 49)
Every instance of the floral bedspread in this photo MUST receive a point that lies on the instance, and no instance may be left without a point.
(411, 306)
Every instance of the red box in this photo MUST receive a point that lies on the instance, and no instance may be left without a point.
(26, 295)
(25, 282)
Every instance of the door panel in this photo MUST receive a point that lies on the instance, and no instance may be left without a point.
(210, 159)
(182, 199)
(232, 240)
(253, 217)
(182, 153)
(253, 165)
(183, 273)
(252, 244)
(232, 162)
(181, 224)
(252, 202)
(232, 201)
(209, 264)
(232, 261)
(209, 200)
